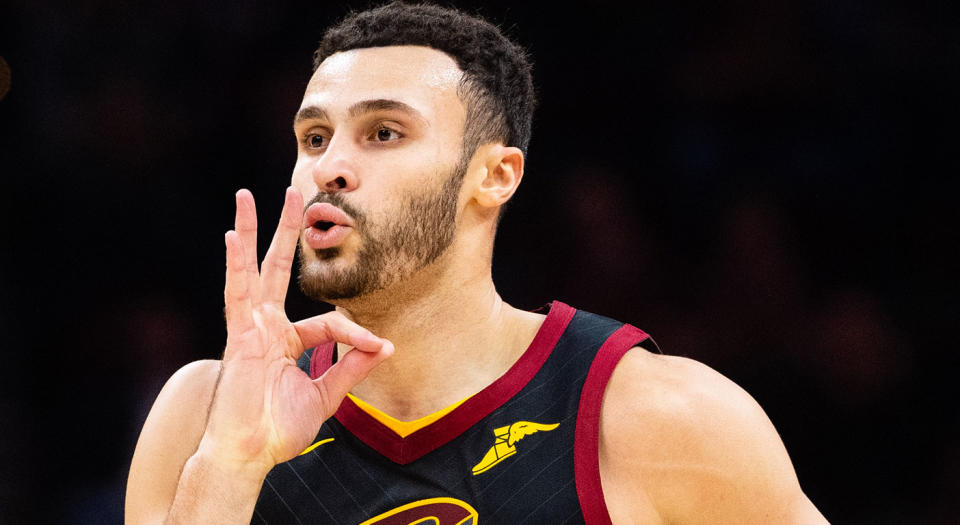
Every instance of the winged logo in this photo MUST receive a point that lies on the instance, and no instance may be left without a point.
(507, 438)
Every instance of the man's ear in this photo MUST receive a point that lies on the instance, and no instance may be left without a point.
(504, 170)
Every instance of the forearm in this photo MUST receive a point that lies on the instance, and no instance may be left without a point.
(210, 493)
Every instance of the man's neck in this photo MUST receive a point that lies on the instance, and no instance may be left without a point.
(451, 342)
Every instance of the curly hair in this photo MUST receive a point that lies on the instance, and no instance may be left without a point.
(497, 86)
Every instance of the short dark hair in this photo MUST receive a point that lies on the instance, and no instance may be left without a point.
(497, 86)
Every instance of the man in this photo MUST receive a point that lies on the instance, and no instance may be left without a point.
(412, 135)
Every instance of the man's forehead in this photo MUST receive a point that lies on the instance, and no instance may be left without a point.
(378, 70)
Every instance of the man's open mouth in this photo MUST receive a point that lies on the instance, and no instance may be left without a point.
(325, 225)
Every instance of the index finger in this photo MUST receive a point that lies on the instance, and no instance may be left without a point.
(333, 326)
(275, 271)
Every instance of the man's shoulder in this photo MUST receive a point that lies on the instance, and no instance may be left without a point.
(170, 435)
(656, 402)
(676, 388)
(185, 398)
(682, 433)
(195, 376)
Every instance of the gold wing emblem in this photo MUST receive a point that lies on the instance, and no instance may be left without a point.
(507, 437)
(522, 429)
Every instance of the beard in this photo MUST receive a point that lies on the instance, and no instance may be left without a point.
(406, 238)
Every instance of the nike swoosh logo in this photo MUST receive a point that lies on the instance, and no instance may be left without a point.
(315, 445)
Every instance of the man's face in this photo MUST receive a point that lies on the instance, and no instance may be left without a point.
(379, 162)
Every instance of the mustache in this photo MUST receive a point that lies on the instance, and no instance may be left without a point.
(338, 200)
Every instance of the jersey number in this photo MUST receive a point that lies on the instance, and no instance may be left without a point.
(433, 511)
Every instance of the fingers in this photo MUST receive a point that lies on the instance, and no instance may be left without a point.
(236, 292)
(334, 326)
(245, 224)
(275, 272)
(351, 369)
(368, 352)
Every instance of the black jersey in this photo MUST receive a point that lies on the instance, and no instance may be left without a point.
(524, 450)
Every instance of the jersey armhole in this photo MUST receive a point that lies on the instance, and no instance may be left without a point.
(586, 453)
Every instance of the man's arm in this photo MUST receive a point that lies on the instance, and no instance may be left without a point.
(169, 437)
(168, 465)
(681, 443)
(167, 462)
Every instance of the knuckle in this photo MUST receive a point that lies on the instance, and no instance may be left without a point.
(235, 263)
(235, 296)
(325, 399)
(283, 261)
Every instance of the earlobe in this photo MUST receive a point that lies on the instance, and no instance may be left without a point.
(503, 172)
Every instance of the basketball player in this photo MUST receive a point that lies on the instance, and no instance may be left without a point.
(425, 398)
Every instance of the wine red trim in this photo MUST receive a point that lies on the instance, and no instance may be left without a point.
(321, 359)
(405, 450)
(586, 453)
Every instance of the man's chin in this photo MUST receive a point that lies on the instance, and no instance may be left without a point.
(327, 281)
(324, 291)
(328, 254)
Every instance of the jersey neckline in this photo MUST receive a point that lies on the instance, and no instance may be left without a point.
(404, 450)
(403, 428)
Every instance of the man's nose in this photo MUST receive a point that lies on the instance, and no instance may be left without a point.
(335, 170)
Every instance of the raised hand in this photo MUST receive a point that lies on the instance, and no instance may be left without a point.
(266, 410)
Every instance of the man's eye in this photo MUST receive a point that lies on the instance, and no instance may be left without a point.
(315, 141)
(387, 134)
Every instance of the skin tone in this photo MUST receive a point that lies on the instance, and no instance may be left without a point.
(680, 445)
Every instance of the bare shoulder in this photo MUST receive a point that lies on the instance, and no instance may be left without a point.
(192, 379)
(698, 446)
(678, 391)
(169, 437)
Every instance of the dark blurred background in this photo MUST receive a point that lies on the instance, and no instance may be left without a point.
(766, 186)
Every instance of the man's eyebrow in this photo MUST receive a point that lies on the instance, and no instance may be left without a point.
(360, 108)
(310, 113)
(383, 104)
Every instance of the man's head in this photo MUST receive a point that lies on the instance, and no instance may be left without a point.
(414, 114)
(497, 86)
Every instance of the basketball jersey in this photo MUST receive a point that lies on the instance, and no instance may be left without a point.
(524, 450)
